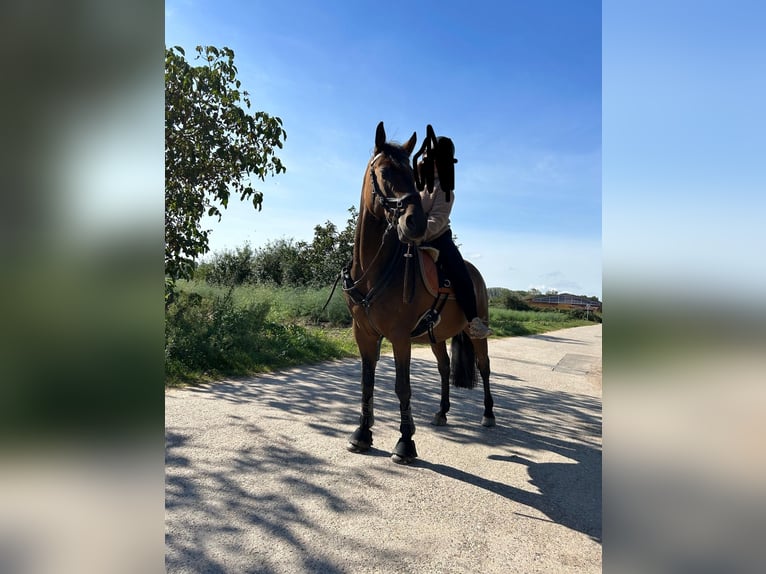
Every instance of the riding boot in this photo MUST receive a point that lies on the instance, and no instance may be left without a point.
(453, 265)
(478, 330)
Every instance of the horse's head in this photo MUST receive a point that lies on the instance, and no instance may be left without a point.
(389, 190)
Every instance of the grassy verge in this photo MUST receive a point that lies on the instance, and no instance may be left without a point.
(510, 323)
(213, 332)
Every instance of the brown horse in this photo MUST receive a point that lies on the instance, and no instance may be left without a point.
(382, 303)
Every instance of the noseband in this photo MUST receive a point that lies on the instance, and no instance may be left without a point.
(394, 206)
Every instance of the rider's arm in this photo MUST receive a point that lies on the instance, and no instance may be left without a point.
(438, 211)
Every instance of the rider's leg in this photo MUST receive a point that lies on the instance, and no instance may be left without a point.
(454, 266)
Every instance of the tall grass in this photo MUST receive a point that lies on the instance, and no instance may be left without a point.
(212, 331)
(297, 304)
(510, 322)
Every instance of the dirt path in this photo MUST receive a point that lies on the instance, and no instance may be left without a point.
(258, 478)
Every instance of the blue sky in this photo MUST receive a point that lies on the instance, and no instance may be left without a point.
(684, 162)
(517, 85)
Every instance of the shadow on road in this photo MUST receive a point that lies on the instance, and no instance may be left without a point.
(569, 493)
(241, 511)
(534, 419)
(556, 339)
(223, 497)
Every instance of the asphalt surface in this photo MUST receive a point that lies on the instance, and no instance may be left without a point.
(258, 478)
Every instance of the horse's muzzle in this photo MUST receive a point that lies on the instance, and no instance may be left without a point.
(411, 227)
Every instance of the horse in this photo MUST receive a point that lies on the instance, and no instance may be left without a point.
(385, 302)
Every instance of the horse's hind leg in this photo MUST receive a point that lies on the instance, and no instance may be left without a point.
(480, 345)
(442, 359)
(361, 439)
(482, 361)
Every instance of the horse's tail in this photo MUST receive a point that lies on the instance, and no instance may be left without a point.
(463, 362)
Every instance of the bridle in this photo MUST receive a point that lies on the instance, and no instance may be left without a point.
(393, 205)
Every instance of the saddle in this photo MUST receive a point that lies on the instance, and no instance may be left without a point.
(433, 278)
(437, 285)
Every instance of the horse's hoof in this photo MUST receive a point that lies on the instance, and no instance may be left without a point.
(439, 420)
(402, 459)
(404, 451)
(360, 440)
(488, 421)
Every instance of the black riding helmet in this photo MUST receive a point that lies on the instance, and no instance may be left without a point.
(445, 163)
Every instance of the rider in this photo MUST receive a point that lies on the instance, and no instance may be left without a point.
(438, 205)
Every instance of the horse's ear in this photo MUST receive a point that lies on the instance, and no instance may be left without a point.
(380, 137)
(410, 145)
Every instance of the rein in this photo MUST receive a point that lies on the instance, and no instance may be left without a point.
(394, 207)
(349, 285)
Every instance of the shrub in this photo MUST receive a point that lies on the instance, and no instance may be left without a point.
(586, 314)
(230, 268)
(211, 334)
(515, 302)
(281, 262)
(210, 331)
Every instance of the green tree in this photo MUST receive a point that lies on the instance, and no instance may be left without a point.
(331, 249)
(231, 267)
(281, 263)
(212, 148)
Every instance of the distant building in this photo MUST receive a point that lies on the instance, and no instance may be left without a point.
(565, 301)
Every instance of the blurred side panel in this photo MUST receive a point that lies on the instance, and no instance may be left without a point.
(81, 286)
(684, 287)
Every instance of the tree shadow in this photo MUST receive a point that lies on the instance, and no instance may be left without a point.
(248, 499)
(222, 499)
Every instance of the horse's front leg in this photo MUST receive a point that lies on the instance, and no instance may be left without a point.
(442, 359)
(361, 439)
(404, 451)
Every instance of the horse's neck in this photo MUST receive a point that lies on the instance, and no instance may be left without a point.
(369, 250)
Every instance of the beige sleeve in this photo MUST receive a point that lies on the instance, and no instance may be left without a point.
(438, 211)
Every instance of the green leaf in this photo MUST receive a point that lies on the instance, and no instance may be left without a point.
(212, 147)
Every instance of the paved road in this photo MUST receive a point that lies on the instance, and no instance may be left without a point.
(258, 478)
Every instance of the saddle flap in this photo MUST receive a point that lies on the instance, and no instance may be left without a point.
(429, 271)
